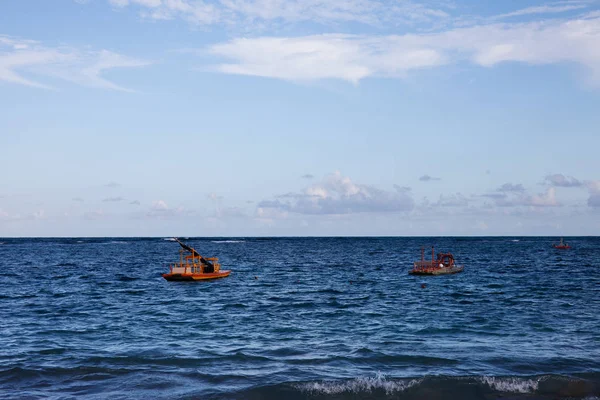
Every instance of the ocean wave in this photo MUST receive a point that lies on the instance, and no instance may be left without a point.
(357, 386)
(377, 386)
(463, 387)
(66, 264)
(512, 384)
(228, 241)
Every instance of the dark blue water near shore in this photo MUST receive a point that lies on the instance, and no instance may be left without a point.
(322, 318)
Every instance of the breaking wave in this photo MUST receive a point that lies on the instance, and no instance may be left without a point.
(358, 385)
(434, 387)
(512, 384)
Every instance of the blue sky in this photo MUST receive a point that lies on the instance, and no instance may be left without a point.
(271, 117)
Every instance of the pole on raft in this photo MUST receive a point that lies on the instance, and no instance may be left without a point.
(432, 260)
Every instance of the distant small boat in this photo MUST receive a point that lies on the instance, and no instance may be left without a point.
(194, 267)
(562, 245)
(444, 264)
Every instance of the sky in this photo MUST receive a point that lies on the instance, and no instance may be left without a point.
(299, 118)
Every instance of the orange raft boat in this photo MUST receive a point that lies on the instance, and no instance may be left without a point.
(194, 267)
(443, 265)
(562, 245)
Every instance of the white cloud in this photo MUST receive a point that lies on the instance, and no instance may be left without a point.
(35, 215)
(146, 3)
(594, 189)
(269, 214)
(160, 209)
(90, 74)
(355, 57)
(214, 197)
(20, 59)
(23, 58)
(259, 13)
(563, 181)
(545, 9)
(547, 199)
(452, 200)
(94, 215)
(593, 186)
(337, 194)
(347, 57)
(159, 205)
(594, 200)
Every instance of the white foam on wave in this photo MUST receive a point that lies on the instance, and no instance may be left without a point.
(512, 384)
(357, 385)
(170, 239)
(228, 241)
(515, 240)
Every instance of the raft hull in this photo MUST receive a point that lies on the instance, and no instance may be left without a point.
(196, 277)
(437, 271)
(561, 247)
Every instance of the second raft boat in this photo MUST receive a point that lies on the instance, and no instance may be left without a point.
(443, 265)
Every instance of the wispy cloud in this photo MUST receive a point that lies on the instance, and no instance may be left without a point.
(509, 187)
(261, 13)
(113, 199)
(308, 176)
(113, 184)
(519, 198)
(94, 215)
(35, 215)
(427, 178)
(556, 8)
(25, 62)
(355, 57)
(452, 200)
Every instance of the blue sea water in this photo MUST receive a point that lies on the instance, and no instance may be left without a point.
(316, 318)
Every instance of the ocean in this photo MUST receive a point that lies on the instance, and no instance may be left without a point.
(300, 318)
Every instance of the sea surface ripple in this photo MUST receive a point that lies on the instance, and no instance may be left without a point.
(323, 318)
